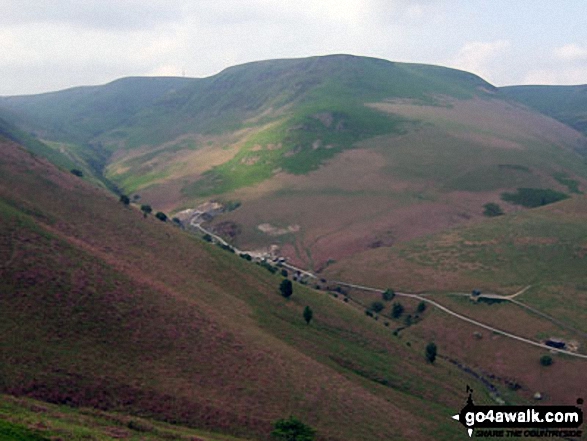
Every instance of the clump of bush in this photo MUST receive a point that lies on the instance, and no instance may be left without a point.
(534, 197)
(286, 288)
(492, 210)
(377, 307)
(397, 310)
(292, 429)
(272, 269)
(388, 295)
(161, 216)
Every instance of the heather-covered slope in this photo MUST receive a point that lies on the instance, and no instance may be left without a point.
(101, 307)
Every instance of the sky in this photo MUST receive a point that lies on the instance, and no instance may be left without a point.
(48, 45)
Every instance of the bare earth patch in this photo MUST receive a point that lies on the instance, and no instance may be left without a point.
(275, 231)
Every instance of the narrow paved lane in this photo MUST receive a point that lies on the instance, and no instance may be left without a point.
(467, 319)
(432, 302)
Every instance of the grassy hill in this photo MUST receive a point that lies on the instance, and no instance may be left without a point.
(567, 104)
(327, 156)
(540, 253)
(287, 103)
(106, 309)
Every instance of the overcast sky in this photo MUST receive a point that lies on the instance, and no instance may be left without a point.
(48, 45)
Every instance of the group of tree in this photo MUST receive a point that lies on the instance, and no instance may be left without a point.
(146, 209)
(286, 290)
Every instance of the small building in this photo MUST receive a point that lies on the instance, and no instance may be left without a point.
(555, 343)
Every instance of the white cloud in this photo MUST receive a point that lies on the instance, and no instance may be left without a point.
(481, 57)
(571, 52)
(99, 14)
(52, 44)
(568, 65)
(569, 76)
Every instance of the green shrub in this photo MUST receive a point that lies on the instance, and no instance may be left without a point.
(397, 310)
(161, 216)
(388, 295)
(286, 288)
(308, 314)
(377, 307)
(292, 429)
(492, 210)
(546, 360)
(533, 197)
(431, 352)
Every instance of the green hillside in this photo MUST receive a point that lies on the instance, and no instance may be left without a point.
(286, 94)
(25, 419)
(393, 175)
(103, 308)
(342, 153)
(567, 104)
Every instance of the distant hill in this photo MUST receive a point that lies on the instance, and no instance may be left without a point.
(567, 104)
(79, 114)
(269, 98)
(342, 153)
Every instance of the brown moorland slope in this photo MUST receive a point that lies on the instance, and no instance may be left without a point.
(451, 160)
(101, 307)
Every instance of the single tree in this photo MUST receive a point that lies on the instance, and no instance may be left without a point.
(421, 307)
(78, 173)
(286, 288)
(308, 314)
(388, 295)
(145, 208)
(124, 199)
(408, 320)
(431, 352)
(397, 310)
(492, 210)
(546, 360)
(161, 216)
(377, 307)
(292, 429)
